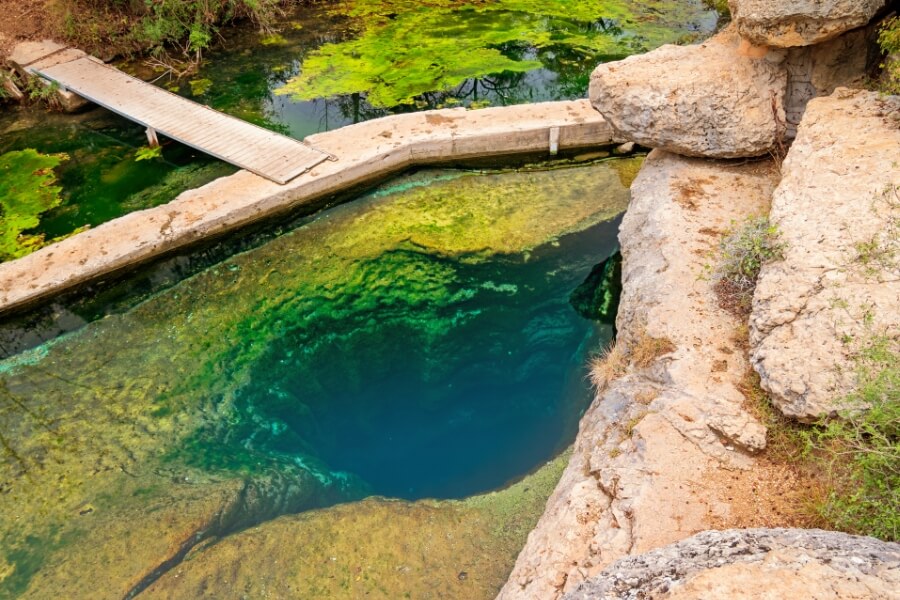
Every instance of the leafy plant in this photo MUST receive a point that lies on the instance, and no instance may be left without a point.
(26, 191)
(889, 40)
(147, 153)
(861, 449)
(43, 92)
(742, 253)
(126, 26)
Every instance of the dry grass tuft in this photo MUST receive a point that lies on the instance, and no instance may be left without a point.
(614, 362)
(607, 366)
(647, 349)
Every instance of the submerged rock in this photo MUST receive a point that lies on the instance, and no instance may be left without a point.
(658, 446)
(709, 100)
(838, 288)
(754, 563)
(799, 22)
(377, 548)
(129, 442)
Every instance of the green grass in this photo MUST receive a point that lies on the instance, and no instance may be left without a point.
(860, 451)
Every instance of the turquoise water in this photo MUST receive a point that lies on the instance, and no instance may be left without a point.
(418, 342)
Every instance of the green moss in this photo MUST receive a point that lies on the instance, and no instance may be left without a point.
(407, 49)
(26, 192)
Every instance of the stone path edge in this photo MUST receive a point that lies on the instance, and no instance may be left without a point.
(366, 152)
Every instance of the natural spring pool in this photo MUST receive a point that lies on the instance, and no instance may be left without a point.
(418, 342)
(375, 402)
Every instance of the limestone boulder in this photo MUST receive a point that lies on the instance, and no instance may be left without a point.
(714, 99)
(780, 24)
(838, 288)
(754, 564)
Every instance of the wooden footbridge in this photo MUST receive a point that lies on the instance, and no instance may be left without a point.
(268, 154)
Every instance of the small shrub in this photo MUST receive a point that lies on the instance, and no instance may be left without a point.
(742, 253)
(889, 40)
(43, 92)
(861, 449)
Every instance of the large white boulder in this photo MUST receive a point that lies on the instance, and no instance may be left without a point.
(789, 23)
(713, 100)
(838, 288)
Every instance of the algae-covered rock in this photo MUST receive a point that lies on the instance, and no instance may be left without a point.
(376, 548)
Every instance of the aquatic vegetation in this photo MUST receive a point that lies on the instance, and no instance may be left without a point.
(147, 153)
(101, 180)
(406, 49)
(200, 86)
(278, 373)
(27, 191)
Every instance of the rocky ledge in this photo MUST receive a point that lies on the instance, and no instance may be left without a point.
(799, 22)
(837, 209)
(659, 448)
(793, 563)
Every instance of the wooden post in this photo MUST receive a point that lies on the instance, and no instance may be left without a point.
(12, 89)
(151, 138)
(554, 141)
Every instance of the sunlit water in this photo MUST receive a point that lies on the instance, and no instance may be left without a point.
(417, 342)
(370, 58)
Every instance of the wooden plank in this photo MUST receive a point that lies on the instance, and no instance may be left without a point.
(266, 153)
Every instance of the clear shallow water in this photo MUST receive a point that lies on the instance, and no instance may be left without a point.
(417, 342)
(349, 61)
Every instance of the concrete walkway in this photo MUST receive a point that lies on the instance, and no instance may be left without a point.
(368, 151)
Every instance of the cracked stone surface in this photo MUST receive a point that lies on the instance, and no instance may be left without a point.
(815, 71)
(712, 100)
(782, 24)
(755, 564)
(673, 428)
(838, 211)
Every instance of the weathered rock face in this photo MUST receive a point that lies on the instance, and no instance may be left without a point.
(655, 449)
(799, 22)
(707, 100)
(838, 211)
(752, 564)
(815, 71)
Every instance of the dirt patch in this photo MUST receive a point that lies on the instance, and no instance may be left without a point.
(22, 20)
(690, 192)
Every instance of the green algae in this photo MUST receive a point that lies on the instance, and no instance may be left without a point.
(152, 397)
(376, 548)
(27, 191)
(406, 49)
